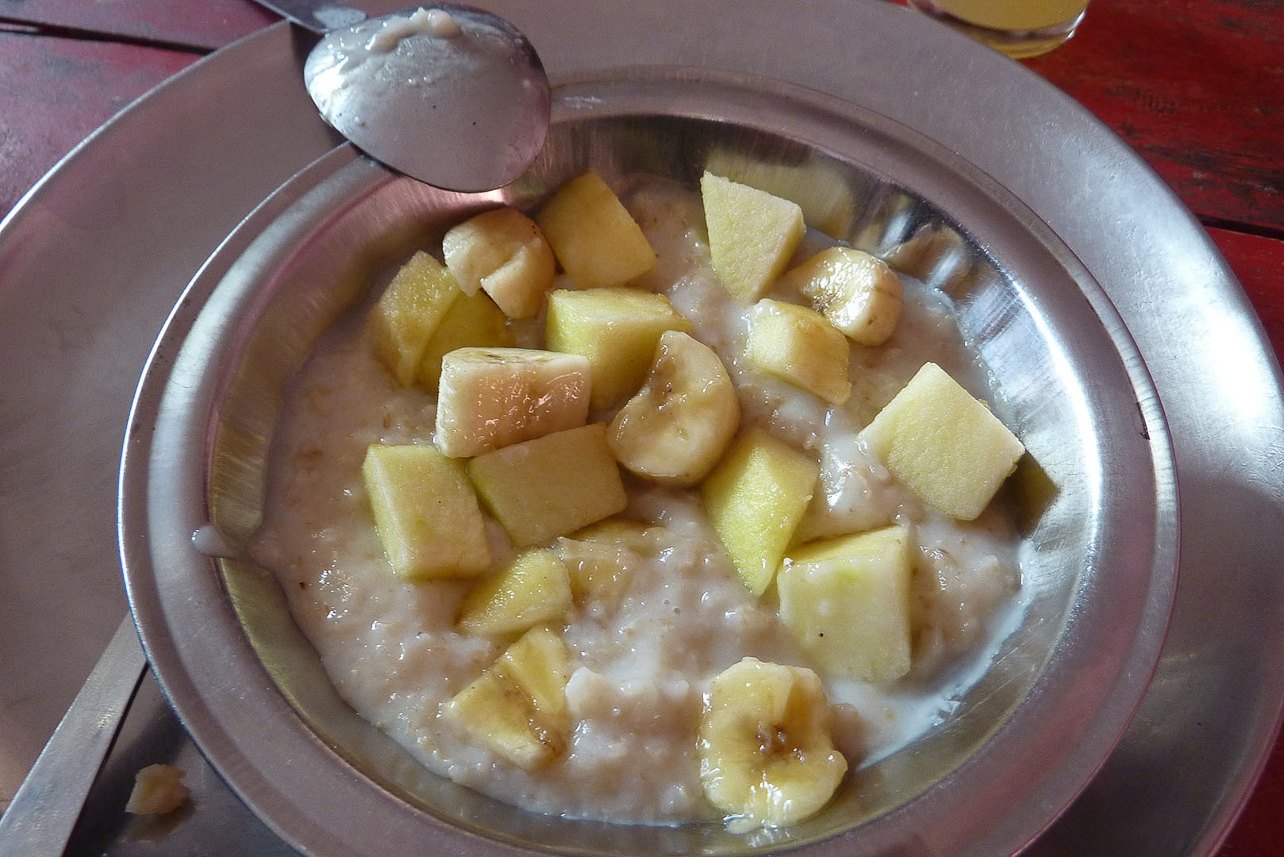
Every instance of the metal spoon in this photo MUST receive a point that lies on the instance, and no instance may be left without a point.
(42, 815)
(451, 95)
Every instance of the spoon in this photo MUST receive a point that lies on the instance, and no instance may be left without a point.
(450, 95)
(44, 811)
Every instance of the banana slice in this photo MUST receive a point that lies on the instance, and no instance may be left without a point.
(766, 749)
(858, 293)
(493, 397)
(677, 426)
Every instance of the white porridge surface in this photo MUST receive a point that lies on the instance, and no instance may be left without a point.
(640, 669)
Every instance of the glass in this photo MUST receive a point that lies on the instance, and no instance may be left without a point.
(1018, 28)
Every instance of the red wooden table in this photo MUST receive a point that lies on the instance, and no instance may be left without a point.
(1196, 86)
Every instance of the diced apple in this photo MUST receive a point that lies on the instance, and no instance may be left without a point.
(847, 601)
(616, 329)
(550, 486)
(752, 234)
(858, 293)
(601, 560)
(943, 444)
(797, 344)
(409, 312)
(820, 188)
(534, 589)
(593, 235)
(755, 498)
(517, 707)
(425, 512)
(504, 253)
(472, 321)
(494, 397)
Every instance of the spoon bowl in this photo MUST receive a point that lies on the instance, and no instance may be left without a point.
(447, 94)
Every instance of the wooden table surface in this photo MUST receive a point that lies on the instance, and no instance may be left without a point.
(1195, 86)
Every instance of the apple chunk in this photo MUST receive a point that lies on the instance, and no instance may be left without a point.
(847, 601)
(797, 345)
(755, 499)
(593, 235)
(616, 329)
(409, 312)
(601, 560)
(946, 446)
(752, 234)
(425, 512)
(502, 252)
(517, 707)
(550, 486)
(472, 321)
(534, 589)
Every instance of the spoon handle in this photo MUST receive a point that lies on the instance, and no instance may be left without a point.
(315, 15)
(40, 819)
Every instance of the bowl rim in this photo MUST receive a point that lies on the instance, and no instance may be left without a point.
(162, 598)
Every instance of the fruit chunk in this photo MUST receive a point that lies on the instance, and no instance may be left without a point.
(766, 746)
(798, 345)
(409, 311)
(493, 397)
(552, 485)
(533, 590)
(847, 600)
(504, 253)
(943, 444)
(755, 499)
(425, 512)
(678, 425)
(158, 789)
(472, 321)
(819, 187)
(858, 293)
(616, 329)
(517, 706)
(601, 560)
(752, 234)
(592, 234)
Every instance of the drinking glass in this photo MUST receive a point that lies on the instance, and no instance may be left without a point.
(1018, 28)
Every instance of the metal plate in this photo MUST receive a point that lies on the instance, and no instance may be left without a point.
(91, 262)
(1098, 502)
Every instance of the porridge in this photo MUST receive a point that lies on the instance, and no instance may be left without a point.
(663, 536)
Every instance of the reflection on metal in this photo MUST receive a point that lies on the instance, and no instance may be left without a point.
(1100, 534)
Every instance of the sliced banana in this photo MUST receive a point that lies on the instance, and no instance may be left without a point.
(766, 748)
(677, 426)
(858, 293)
(493, 397)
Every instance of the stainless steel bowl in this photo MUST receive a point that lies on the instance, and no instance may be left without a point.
(1097, 492)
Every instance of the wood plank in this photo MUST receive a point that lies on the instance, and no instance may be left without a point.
(1197, 87)
(54, 92)
(203, 24)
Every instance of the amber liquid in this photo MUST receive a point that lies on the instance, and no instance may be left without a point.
(1018, 15)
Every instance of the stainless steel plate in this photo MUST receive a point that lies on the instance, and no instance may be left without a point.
(1096, 492)
(92, 261)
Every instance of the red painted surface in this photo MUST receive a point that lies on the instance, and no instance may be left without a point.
(1196, 86)
(206, 24)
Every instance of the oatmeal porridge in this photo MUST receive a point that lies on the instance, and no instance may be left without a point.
(641, 630)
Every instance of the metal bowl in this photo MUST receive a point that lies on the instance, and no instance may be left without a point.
(1096, 492)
